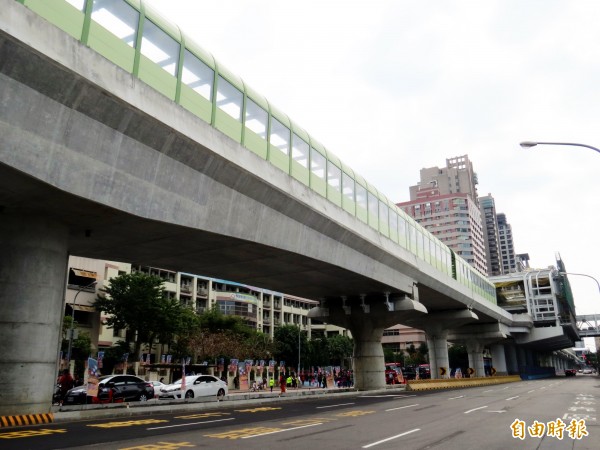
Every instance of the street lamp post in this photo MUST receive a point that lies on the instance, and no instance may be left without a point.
(299, 333)
(582, 275)
(529, 144)
(71, 330)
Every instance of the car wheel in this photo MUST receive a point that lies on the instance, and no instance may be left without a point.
(221, 394)
(189, 394)
(143, 397)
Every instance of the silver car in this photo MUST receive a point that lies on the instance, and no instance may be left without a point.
(195, 386)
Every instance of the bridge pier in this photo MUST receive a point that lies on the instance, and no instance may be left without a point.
(32, 282)
(437, 342)
(499, 359)
(366, 318)
(475, 353)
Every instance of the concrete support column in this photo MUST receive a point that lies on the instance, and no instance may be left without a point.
(475, 352)
(33, 268)
(369, 363)
(437, 344)
(499, 359)
(511, 359)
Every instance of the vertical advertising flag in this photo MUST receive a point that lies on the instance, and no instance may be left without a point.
(169, 359)
(100, 357)
(233, 365)
(183, 378)
(163, 359)
(92, 382)
(221, 365)
(271, 366)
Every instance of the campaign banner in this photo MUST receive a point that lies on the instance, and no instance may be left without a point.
(221, 365)
(271, 366)
(92, 381)
(163, 359)
(100, 357)
(233, 365)
(169, 359)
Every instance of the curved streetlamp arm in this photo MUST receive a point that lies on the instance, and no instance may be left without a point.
(582, 275)
(529, 144)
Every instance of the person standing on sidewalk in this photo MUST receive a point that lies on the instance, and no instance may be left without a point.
(282, 382)
(272, 382)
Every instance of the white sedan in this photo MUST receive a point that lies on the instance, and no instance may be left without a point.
(195, 386)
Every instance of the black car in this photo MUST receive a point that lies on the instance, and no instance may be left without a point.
(113, 389)
(570, 372)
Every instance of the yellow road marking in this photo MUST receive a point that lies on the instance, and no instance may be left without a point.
(29, 433)
(128, 423)
(310, 421)
(354, 413)
(203, 415)
(161, 446)
(265, 408)
(237, 434)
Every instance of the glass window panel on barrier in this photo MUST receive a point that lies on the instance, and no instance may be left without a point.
(348, 186)
(229, 99)
(383, 214)
(373, 206)
(300, 150)
(197, 75)
(79, 4)
(117, 17)
(361, 196)
(393, 225)
(160, 48)
(256, 118)
(317, 163)
(334, 176)
(402, 232)
(280, 136)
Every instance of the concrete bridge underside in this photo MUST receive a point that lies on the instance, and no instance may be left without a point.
(95, 163)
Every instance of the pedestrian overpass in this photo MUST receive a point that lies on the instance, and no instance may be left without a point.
(121, 139)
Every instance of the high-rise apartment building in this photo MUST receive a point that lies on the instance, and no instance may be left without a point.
(492, 241)
(445, 202)
(507, 249)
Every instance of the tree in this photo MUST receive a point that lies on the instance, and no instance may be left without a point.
(286, 344)
(137, 302)
(339, 348)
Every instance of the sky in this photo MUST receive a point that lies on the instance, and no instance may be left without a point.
(394, 86)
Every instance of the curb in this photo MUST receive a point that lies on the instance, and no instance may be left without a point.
(449, 383)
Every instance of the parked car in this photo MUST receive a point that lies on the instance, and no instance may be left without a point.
(113, 389)
(157, 387)
(424, 371)
(195, 386)
(570, 372)
(587, 370)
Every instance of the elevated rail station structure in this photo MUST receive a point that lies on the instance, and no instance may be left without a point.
(122, 139)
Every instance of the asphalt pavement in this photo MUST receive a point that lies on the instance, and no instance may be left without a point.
(232, 399)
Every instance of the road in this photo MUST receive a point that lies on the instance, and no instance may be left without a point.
(473, 418)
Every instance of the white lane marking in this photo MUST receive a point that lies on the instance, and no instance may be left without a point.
(529, 392)
(334, 406)
(500, 411)
(512, 398)
(489, 390)
(402, 407)
(188, 424)
(390, 438)
(281, 431)
(454, 398)
(475, 409)
(505, 388)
